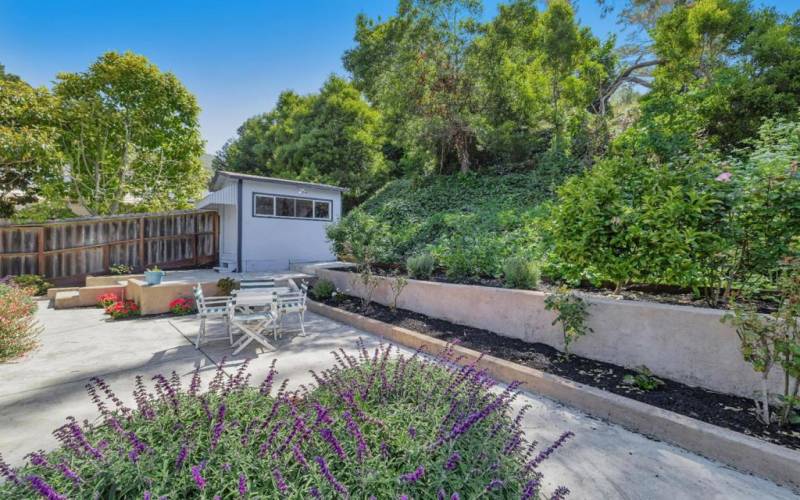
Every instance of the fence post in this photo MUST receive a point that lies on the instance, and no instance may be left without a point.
(142, 260)
(196, 257)
(40, 261)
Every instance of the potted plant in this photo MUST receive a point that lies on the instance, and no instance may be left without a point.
(153, 275)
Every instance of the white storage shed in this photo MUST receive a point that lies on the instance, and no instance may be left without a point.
(266, 223)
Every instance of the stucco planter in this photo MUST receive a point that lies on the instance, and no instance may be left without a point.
(683, 343)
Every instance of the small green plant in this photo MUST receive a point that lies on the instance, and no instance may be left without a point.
(397, 285)
(420, 266)
(369, 283)
(323, 289)
(227, 285)
(644, 379)
(572, 313)
(521, 272)
(118, 269)
(33, 281)
(154, 269)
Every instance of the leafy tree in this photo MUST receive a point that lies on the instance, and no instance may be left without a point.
(28, 141)
(413, 67)
(129, 133)
(332, 137)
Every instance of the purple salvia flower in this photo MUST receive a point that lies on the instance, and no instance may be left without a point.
(279, 481)
(413, 477)
(147, 495)
(441, 495)
(412, 432)
(133, 455)
(560, 493)
(217, 497)
(452, 461)
(242, 485)
(530, 490)
(327, 434)
(544, 454)
(494, 484)
(181, 456)
(69, 473)
(44, 489)
(314, 492)
(298, 455)
(326, 473)
(361, 449)
(226, 467)
(403, 497)
(39, 459)
(219, 426)
(7, 471)
(199, 480)
(455, 496)
(194, 385)
(385, 450)
(322, 415)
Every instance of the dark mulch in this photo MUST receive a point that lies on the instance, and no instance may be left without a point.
(724, 410)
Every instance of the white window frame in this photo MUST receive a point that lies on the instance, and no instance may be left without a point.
(274, 197)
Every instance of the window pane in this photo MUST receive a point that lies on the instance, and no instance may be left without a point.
(265, 205)
(285, 207)
(305, 208)
(322, 210)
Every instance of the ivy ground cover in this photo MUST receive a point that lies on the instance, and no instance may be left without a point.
(375, 425)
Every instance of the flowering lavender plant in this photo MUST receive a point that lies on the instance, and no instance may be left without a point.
(375, 425)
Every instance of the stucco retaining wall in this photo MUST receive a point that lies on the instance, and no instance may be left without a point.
(155, 299)
(682, 343)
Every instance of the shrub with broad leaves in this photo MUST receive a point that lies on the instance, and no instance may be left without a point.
(182, 306)
(123, 309)
(107, 299)
(18, 327)
(374, 425)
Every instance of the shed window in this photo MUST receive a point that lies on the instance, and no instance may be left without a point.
(322, 210)
(304, 208)
(290, 207)
(285, 207)
(265, 205)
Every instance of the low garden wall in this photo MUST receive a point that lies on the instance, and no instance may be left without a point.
(683, 343)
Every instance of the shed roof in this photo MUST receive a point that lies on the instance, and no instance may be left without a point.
(220, 175)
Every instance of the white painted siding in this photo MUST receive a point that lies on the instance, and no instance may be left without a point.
(270, 244)
(227, 236)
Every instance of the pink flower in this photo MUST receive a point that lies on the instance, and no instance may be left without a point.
(724, 177)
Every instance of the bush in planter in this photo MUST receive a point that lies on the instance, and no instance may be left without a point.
(521, 272)
(226, 286)
(376, 425)
(182, 306)
(123, 309)
(33, 281)
(421, 266)
(323, 289)
(18, 328)
(107, 299)
(119, 269)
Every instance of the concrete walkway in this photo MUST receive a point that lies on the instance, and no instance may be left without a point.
(602, 461)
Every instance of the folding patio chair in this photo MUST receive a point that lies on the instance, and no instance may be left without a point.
(211, 307)
(256, 283)
(252, 324)
(291, 303)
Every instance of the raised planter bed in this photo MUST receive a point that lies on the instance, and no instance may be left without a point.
(778, 463)
(682, 343)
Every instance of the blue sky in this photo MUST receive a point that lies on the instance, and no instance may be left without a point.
(235, 56)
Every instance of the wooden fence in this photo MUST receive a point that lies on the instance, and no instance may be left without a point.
(67, 251)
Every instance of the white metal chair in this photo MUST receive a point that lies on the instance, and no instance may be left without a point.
(252, 324)
(211, 307)
(256, 283)
(291, 303)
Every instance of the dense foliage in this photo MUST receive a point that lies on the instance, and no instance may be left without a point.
(120, 136)
(470, 223)
(375, 424)
(18, 328)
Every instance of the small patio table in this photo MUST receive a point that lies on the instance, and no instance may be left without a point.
(258, 298)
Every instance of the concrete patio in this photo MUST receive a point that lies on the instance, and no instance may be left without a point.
(40, 390)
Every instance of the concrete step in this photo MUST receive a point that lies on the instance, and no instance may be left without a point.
(67, 299)
(51, 292)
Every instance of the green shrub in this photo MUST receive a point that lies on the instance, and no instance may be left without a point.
(226, 286)
(323, 289)
(32, 281)
(572, 313)
(398, 427)
(420, 266)
(521, 272)
(18, 327)
(119, 269)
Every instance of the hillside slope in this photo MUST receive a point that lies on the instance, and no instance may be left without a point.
(470, 223)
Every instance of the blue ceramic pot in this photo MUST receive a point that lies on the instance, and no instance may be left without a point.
(153, 277)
